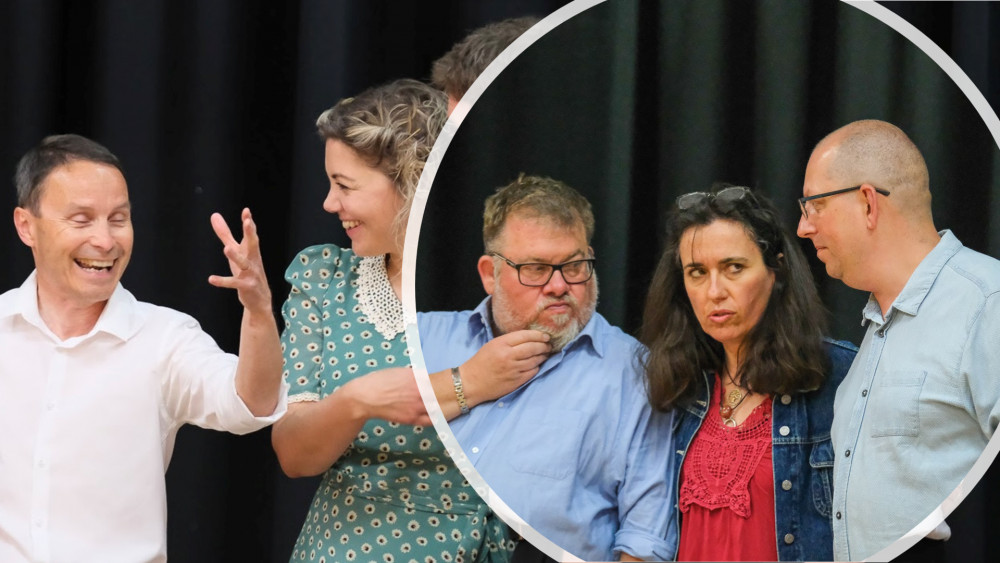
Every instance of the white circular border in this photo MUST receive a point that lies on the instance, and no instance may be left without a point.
(409, 272)
(444, 139)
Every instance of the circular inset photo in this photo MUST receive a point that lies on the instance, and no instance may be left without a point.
(791, 210)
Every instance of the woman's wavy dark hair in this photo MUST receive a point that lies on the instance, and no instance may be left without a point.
(783, 353)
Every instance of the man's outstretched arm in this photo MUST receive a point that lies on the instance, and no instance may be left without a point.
(258, 374)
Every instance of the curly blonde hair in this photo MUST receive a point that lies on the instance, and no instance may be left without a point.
(392, 127)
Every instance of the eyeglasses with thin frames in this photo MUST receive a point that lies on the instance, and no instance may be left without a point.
(803, 201)
(537, 274)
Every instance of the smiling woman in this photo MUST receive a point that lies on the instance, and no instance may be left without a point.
(367, 204)
(355, 416)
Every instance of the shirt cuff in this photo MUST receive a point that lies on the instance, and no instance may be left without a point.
(642, 545)
(249, 422)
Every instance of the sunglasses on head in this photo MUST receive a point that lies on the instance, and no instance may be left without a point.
(726, 197)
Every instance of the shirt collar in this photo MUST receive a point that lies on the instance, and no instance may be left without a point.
(479, 323)
(909, 299)
(120, 318)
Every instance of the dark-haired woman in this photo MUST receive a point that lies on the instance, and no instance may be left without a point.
(735, 331)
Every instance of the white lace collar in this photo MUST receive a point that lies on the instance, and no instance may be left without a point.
(377, 300)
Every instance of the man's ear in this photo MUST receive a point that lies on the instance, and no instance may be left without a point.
(486, 273)
(872, 205)
(22, 222)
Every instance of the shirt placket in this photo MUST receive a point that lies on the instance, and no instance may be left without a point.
(875, 345)
(483, 425)
(41, 500)
(494, 415)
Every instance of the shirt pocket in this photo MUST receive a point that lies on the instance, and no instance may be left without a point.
(547, 443)
(894, 407)
(821, 465)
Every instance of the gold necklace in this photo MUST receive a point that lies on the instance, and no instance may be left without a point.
(728, 403)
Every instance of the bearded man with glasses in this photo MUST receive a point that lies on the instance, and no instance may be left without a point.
(922, 398)
(566, 437)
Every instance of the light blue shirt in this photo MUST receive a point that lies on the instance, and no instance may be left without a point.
(576, 452)
(920, 401)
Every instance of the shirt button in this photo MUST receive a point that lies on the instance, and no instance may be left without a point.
(847, 453)
(789, 538)
(50, 406)
(838, 515)
(786, 485)
(786, 399)
(500, 404)
(784, 430)
(864, 392)
(475, 450)
(41, 464)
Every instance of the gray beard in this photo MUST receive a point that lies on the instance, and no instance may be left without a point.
(558, 338)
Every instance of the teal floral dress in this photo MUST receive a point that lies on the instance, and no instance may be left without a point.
(395, 495)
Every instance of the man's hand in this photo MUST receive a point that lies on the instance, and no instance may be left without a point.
(258, 373)
(504, 364)
(248, 279)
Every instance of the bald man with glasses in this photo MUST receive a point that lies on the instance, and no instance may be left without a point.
(568, 439)
(920, 402)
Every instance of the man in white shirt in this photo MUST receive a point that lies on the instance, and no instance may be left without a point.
(94, 384)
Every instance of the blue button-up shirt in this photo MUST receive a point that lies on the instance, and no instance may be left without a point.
(576, 452)
(920, 401)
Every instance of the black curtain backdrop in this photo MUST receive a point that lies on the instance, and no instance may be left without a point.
(210, 106)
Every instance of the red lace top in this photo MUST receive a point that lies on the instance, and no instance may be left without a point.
(727, 489)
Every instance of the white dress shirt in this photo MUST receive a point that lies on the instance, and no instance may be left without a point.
(87, 426)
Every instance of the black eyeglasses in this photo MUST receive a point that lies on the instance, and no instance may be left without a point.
(537, 274)
(726, 196)
(804, 200)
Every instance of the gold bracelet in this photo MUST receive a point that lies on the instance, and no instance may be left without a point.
(456, 378)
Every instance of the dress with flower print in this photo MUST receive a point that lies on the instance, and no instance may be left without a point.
(394, 495)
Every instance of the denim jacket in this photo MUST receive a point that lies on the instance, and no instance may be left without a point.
(802, 458)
